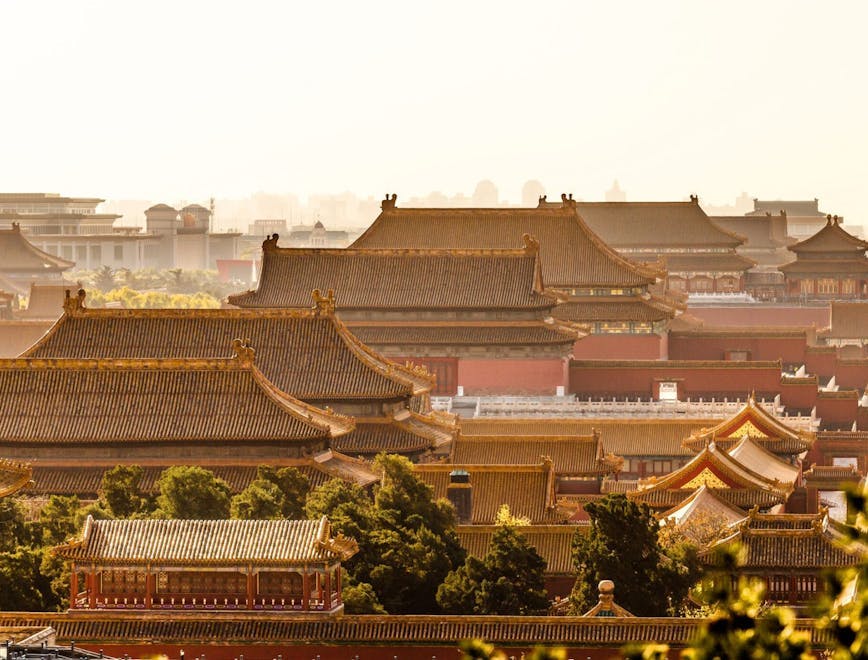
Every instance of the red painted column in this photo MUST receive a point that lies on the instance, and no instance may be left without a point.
(150, 584)
(328, 589)
(305, 590)
(91, 589)
(73, 589)
(340, 589)
(251, 588)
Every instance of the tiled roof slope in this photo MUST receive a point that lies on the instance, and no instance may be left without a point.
(704, 506)
(552, 542)
(615, 308)
(708, 262)
(527, 489)
(795, 541)
(570, 455)
(13, 476)
(112, 401)
(849, 320)
(202, 542)
(401, 279)
(831, 238)
(758, 230)
(655, 224)
(571, 254)
(406, 432)
(307, 353)
(540, 333)
(17, 254)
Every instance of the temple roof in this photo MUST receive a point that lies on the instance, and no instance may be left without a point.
(402, 433)
(849, 320)
(655, 224)
(831, 238)
(206, 542)
(574, 455)
(759, 231)
(790, 541)
(832, 267)
(571, 254)
(401, 279)
(752, 455)
(527, 489)
(455, 333)
(18, 255)
(703, 504)
(640, 308)
(710, 262)
(552, 542)
(13, 476)
(115, 401)
(308, 353)
(756, 423)
(622, 437)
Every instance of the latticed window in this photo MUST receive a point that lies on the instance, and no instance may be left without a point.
(287, 584)
(806, 286)
(827, 285)
(124, 582)
(206, 582)
(848, 286)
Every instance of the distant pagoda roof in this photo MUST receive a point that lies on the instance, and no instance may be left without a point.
(206, 542)
(790, 542)
(831, 238)
(20, 256)
(87, 401)
(308, 353)
(655, 224)
(572, 254)
(704, 506)
(405, 432)
(759, 425)
(401, 279)
(640, 308)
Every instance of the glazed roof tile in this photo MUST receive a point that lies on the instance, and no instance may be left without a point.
(206, 542)
(539, 333)
(527, 489)
(712, 262)
(831, 238)
(407, 432)
(571, 254)
(13, 476)
(307, 353)
(401, 279)
(17, 254)
(615, 308)
(704, 504)
(570, 454)
(111, 401)
(649, 224)
(552, 542)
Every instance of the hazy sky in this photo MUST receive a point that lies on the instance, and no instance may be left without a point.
(182, 99)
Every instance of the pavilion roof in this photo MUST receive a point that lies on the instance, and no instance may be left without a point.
(401, 433)
(72, 401)
(528, 490)
(703, 503)
(308, 353)
(572, 255)
(17, 254)
(831, 238)
(712, 262)
(402, 279)
(759, 231)
(641, 308)
(790, 541)
(206, 542)
(759, 425)
(549, 332)
(717, 469)
(655, 224)
(13, 476)
(753, 456)
(831, 267)
(622, 437)
(552, 542)
(849, 320)
(575, 455)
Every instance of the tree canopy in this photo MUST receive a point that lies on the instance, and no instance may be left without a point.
(192, 493)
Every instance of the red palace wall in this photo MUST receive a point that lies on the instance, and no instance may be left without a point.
(511, 377)
(821, 360)
(837, 409)
(747, 315)
(800, 395)
(790, 350)
(620, 347)
(852, 374)
(597, 378)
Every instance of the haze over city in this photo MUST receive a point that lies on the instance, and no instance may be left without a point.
(184, 101)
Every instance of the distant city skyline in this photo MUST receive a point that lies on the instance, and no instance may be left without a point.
(191, 100)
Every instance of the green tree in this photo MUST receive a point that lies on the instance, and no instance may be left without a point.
(119, 492)
(23, 587)
(58, 519)
(192, 493)
(261, 500)
(361, 599)
(294, 486)
(509, 580)
(104, 279)
(13, 527)
(622, 546)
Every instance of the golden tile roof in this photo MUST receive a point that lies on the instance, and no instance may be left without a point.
(497, 333)
(757, 423)
(789, 542)
(13, 476)
(206, 542)
(529, 490)
(616, 308)
(308, 353)
(655, 224)
(710, 262)
(552, 542)
(704, 504)
(572, 255)
(623, 437)
(831, 238)
(401, 279)
(831, 267)
(574, 455)
(754, 457)
(403, 433)
(70, 401)
(17, 254)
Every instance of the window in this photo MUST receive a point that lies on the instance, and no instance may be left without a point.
(848, 286)
(677, 284)
(827, 286)
(700, 284)
(668, 392)
(806, 286)
(124, 582)
(119, 252)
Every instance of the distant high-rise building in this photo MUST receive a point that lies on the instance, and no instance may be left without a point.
(185, 239)
(485, 194)
(615, 194)
(531, 191)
